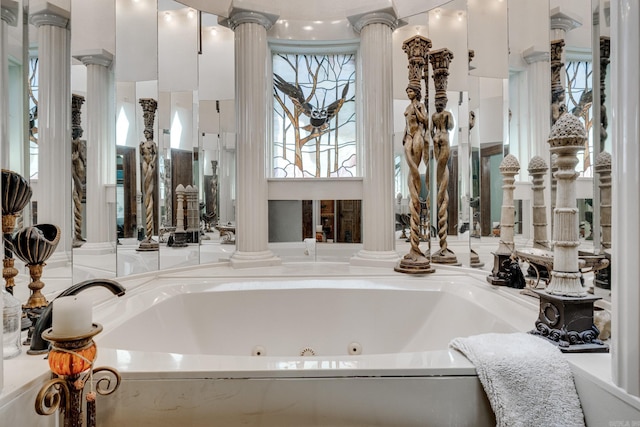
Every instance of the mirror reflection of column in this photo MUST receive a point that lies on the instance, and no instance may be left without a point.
(488, 37)
(136, 78)
(53, 189)
(93, 76)
(178, 46)
(602, 146)
(448, 26)
(12, 138)
(529, 100)
(92, 47)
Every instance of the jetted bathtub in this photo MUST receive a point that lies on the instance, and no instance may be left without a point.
(359, 352)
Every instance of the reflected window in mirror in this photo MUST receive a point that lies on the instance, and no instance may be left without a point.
(579, 99)
(314, 115)
(33, 116)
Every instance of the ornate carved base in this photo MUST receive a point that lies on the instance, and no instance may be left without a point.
(179, 239)
(475, 260)
(419, 265)
(603, 277)
(568, 323)
(445, 256)
(500, 274)
(148, 245)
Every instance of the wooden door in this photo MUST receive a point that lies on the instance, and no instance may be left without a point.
(126, 177)
(349, 223)
(452, 208)
(308, 230)
(485, 186)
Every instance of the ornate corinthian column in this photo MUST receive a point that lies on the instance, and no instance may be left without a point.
(55, 204)
(253, 98)
(378, 219)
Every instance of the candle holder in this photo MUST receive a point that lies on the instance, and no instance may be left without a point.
(71, 362)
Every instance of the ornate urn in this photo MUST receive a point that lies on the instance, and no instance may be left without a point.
(16, 193)
(34, 245)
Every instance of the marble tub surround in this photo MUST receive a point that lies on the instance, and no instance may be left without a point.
(159, 376)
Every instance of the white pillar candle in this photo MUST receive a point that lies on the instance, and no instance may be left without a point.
(71, 316)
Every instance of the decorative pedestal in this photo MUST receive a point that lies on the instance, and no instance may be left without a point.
(568, 323)
(499, 272)
(603, 277)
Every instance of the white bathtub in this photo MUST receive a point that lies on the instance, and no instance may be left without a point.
(188, 352)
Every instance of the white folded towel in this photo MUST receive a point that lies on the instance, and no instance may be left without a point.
(527, 379)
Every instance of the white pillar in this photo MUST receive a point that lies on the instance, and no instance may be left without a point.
(378, 216)
(54, 120)
(253, 102)
(625, 125)
(100, 144)
(9, 17)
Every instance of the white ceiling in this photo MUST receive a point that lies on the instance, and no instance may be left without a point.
(315, 10)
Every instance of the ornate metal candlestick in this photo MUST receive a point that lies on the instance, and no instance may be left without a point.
(78, 161)
(441, 124)
(500, 275)
(566, 309)
(415, 144)
(16, 193)
(71, 362)
(149, 158)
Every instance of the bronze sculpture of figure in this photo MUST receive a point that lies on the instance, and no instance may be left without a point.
(441, 124)
(149, 159)
(416, 147)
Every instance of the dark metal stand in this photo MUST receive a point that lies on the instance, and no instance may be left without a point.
(568, 323)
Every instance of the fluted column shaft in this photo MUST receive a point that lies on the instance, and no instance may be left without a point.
(100, 145)
(253, 98)
(625, 295)
(538, 171)
(9, 17)
(54, 121)
(378, 216)
(539, 89)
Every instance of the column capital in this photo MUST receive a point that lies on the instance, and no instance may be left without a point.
(10, 12)
(535, 54)
(248, 15)
(49, 14)
(563, 20)
(386, 16)
(95, 57)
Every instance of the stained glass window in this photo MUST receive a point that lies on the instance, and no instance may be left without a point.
(314, 119)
